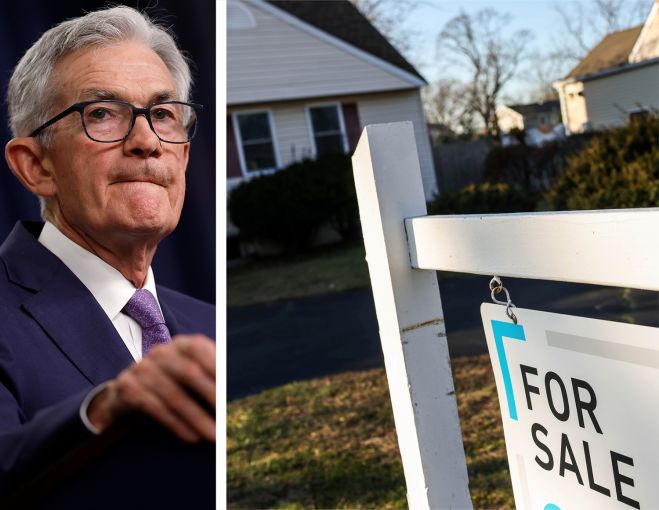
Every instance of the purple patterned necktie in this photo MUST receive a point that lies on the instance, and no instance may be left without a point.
(143, 307)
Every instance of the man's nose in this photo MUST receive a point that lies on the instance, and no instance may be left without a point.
(142, 141)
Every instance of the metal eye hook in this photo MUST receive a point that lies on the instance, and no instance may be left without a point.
(496, 286)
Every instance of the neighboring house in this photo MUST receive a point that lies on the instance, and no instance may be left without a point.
(618, 79)
(304, 78)
(539, 121)
(543, 116)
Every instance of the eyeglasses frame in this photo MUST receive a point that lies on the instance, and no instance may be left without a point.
(146, 111)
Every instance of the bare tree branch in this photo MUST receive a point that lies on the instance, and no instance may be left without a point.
(479, 45)
(584, 27)
(388, 16)
(446, 102)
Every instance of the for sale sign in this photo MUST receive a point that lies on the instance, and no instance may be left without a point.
(580, 408)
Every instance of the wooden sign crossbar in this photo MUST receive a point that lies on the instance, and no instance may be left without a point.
(404, 247)
(613, 247)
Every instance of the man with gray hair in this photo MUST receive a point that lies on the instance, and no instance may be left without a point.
(102, 124)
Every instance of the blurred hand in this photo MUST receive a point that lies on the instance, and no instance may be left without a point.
(170, 384)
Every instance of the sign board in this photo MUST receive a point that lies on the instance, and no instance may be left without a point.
(580, 409)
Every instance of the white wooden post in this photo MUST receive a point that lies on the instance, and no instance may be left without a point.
(411, 320)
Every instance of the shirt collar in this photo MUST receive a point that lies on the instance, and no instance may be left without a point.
(108, 286)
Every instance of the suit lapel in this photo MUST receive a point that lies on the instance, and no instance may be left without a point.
(65, 309)
(170, 317)
(78, 325)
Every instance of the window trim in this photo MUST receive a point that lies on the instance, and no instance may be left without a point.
(239, 139)
(342, 126)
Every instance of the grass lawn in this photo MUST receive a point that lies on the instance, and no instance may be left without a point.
(321, 271)
(327, 269)
(331, 443)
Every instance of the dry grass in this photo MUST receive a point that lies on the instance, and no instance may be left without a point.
(331, 443)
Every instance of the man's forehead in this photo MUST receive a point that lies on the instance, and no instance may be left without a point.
(121, 70)
(92, 93)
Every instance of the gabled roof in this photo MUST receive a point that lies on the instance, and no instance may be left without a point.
(526, 109)
(341, 19)
(612, 51)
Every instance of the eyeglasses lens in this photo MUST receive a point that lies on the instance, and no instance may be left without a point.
(109, 121)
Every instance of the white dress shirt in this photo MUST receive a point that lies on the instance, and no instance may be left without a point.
(108, 286)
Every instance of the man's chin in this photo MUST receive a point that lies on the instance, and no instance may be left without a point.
(147, 228)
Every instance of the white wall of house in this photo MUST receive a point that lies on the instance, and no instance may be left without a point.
(509, 119)
(397, 107)
(611, 98)
(293, 133)
(281, 58)
(647, 45)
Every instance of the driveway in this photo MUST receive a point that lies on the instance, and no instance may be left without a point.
(272, 344)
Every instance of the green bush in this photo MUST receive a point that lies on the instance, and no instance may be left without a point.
(289, 206)
(527, 167)
(511, 165)
(618, 169)
(484, 199)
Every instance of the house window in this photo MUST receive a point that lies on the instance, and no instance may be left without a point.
(328, 130)
(256, 141)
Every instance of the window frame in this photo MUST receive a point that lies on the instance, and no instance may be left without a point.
(239, 139)
(342, 126)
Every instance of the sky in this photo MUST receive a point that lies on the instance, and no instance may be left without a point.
(537, 16)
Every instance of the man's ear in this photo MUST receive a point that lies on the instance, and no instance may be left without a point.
(25, 156)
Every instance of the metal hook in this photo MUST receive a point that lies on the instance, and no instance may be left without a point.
(496, 286)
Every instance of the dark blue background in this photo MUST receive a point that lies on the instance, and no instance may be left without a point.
(185, 260)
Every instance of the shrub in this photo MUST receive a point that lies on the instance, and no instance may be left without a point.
(484, 198)
(289, 206)
(528, 167)
(338, 194)
(618, 169)
(510, 165)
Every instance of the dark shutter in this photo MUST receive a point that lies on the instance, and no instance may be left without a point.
(233, 160)
(353, 127)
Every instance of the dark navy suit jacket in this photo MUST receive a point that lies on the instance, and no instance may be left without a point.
(56, 344)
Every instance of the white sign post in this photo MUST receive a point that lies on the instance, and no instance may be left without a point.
(411, 321)
(619, 248)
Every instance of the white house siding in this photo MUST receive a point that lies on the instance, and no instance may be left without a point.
(609, 99)
(293, 135)
(277, 61)
(509, 119)
(397, 107)
(647, 46)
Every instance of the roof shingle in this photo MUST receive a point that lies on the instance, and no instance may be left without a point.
(611, 51)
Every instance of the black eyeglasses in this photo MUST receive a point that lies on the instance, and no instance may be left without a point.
(108, 121)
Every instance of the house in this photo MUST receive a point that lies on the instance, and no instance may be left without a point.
(539, 122)
(543, 116)
(304, 78)
(618, 79)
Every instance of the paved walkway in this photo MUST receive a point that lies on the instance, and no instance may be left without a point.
(276, 343)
